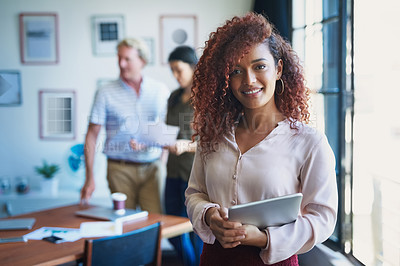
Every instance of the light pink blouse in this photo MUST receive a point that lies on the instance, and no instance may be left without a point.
(287, 161)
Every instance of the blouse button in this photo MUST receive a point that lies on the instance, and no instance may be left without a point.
(233, 202)
(234, 177)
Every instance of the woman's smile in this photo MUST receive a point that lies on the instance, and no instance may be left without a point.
(253, 91)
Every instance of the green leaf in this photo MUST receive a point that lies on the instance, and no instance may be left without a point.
(47, 170)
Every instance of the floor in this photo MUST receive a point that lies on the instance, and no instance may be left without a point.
(321, 255)
(316, 257)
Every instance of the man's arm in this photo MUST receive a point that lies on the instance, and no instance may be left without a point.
(90, 150)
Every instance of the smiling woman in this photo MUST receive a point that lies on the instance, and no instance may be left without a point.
(251, 116)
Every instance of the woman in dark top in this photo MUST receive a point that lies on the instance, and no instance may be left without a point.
(180, 113)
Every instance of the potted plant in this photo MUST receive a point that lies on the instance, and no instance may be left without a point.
(49, 183)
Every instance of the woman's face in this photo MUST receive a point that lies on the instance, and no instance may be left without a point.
(183, 73)
(254, 77)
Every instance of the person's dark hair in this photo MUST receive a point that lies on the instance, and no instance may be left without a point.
(216, 108)
(185, 54)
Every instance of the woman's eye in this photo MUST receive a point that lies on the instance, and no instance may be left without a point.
(261, 66)
(235, 72)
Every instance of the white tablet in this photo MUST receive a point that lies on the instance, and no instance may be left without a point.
(269, 212)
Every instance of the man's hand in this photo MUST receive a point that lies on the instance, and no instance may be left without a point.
(136, 145)
(87, 191)
(90, 149)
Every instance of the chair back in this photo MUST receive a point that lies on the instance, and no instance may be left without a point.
(139, 247)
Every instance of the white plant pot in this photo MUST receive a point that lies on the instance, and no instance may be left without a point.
(49, 186)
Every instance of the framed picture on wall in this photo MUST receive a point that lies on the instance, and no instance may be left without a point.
(38, 38)
(57, 114)
(107, 31)
(10, 88)
(150, 43)
(177, 30)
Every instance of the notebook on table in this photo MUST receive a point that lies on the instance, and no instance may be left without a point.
(16, 224)
(108, 214)
(270, 212)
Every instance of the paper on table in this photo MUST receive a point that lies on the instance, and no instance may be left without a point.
(67, 234)
(95, 229)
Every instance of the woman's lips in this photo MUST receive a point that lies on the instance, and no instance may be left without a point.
(252, 91)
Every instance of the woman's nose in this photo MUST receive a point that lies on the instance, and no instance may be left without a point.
(249, 78)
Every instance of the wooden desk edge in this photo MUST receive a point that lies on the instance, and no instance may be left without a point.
(177, 230)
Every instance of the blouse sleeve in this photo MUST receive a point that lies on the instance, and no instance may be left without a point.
(318, 208)
(197, 201)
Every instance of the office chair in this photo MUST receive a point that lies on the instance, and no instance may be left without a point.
(139, 247)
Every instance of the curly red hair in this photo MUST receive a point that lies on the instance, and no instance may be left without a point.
(215, 107)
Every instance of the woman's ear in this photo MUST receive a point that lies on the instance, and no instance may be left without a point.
(279, 69)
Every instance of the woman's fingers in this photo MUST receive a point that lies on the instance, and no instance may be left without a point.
(231, 242)
(228, 233)
(228, 238)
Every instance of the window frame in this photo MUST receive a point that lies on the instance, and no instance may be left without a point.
(341, 135)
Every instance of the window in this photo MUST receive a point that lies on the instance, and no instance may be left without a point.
(322, 39)
(316, 38)
(363, 130)
(376, 179)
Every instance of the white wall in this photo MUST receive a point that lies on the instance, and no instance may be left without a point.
(20, 146)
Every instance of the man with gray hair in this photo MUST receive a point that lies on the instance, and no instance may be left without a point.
(122, 106)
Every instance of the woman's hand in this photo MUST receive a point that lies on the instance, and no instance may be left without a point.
(254, 236)
(229, 234)
(181, 146)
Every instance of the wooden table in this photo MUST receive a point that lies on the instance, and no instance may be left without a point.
(39, 252)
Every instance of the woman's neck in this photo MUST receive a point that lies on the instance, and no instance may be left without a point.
(260, 121)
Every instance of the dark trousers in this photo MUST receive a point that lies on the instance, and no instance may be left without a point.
(188, 246)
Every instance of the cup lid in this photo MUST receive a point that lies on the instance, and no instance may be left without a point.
(118, 196)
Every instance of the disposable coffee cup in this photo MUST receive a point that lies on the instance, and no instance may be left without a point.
(118, 202)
